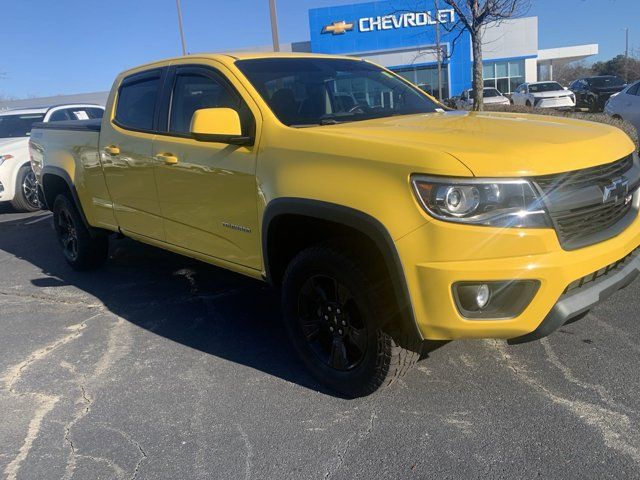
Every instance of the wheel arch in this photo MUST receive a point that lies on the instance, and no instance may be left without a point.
(57, 181)
(280, 213)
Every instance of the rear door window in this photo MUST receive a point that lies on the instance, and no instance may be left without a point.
(137, 99)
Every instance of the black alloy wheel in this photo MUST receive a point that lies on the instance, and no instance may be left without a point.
(83, 247)
(67, 234)
(331, 322)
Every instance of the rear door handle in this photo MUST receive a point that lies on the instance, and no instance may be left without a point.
(167, 158)
(112, 150)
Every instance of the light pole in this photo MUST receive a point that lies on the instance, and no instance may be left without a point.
(626, 54)
(184, 46)
(274, 25)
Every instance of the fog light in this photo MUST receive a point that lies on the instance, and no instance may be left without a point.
(494, 300)
(483, 296)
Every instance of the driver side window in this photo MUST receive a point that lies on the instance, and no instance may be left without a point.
(192, 92)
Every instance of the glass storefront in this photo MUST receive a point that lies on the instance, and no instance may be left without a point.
(505, 76)
(426, 77)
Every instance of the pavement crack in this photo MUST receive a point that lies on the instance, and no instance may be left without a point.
(618, 432)
(46, 401)
(249, 452)
(48, 299)
(359, 437)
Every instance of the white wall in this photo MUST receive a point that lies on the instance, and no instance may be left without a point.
(530, 70)
(511, 38)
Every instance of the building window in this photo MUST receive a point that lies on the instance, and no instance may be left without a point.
(426, 77)
(505, 76)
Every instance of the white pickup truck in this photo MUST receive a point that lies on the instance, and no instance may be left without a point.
(17, 181)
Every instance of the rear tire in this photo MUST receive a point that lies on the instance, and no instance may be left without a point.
(338, 324)
(81, 249)
(26, 194)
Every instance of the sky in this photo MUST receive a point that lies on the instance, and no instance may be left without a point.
(51, 47)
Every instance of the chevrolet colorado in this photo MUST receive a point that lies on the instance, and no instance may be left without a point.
(384, 219)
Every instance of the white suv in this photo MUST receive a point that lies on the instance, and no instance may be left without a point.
(544, 95)
(17, 180)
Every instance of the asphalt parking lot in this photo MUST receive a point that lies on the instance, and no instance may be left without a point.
(158, 367)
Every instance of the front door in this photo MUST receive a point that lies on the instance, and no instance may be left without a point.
(126, 151)
(207, 190)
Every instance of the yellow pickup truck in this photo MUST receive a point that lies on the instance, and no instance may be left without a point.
(385, 219)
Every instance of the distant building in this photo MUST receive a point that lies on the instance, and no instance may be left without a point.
(99, 98)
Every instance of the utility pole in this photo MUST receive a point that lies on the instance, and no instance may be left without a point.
(184, 46)
(274, 25)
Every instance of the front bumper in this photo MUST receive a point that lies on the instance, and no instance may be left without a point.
(439, 254)
(556, 102)
(579, 300)
(7, 181)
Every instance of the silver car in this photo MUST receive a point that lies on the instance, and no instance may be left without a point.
(626, 105)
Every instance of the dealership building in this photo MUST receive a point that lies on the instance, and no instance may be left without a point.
(403, 36)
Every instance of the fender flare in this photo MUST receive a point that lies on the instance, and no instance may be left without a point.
(357, 220)
(61, 173)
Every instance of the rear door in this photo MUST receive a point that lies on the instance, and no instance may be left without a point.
(126, 149)
(207, 190)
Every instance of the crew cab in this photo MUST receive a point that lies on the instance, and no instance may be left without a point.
(384, 219)
(543, 95)
(17, 180)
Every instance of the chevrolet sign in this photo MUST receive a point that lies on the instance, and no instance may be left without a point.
(393, 22)
(338, 28)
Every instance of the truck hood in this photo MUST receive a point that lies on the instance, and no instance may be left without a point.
(493, 144)
(7, 144)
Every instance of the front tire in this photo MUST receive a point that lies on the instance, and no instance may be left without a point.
(26, 196)
(337, 322)
(81, 249)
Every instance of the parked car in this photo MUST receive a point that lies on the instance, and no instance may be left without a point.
(593, 92)
(383, 225)
(626, 105)
(491, 97)
(17, 180)
(543, 95)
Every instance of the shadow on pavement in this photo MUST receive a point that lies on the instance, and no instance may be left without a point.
(197, 305)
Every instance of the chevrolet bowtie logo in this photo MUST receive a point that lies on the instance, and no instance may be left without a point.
(338, 28)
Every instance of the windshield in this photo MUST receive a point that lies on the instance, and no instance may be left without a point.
(545, 87)
(12, 126)
(606, 82)
(322, 91)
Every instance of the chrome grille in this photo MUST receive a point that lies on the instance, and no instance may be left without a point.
(586, 177)
(578, 225)
(583, 222)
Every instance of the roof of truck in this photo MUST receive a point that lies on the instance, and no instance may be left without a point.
(232, 56)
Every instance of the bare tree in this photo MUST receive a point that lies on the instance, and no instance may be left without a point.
(475, 15)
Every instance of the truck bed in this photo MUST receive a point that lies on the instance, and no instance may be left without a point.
(92, 125)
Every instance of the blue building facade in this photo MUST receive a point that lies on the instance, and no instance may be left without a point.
(401, 33)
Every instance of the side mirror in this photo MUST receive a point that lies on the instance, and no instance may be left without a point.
(221, 125)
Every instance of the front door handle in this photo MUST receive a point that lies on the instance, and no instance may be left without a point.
(112, 150)
(167, 158)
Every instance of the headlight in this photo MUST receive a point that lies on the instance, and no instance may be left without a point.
(490, 202)
(5, 157)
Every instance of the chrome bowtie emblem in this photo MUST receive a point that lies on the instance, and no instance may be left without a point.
(616, 191)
